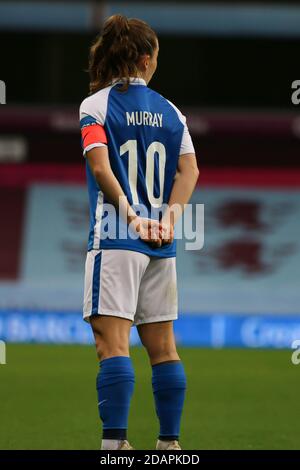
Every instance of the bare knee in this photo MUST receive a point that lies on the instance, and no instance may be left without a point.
(111, 337)
(161, 349)
(162, 354)
(158, 339)
(106, 348)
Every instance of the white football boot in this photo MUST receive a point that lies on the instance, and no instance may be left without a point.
(167, 445)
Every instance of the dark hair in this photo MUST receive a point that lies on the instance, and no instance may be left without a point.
(116, 51)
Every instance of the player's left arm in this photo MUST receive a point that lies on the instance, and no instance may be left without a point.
(98, 160)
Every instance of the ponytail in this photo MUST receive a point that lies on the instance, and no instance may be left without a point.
(117, 50)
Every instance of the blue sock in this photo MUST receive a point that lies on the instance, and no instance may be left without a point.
(115, 382)
(169, 384)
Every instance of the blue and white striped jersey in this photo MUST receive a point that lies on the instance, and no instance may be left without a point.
(145, 134)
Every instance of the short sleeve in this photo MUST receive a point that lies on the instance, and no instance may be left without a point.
(92, 116)
(186, 142)
(92, 134)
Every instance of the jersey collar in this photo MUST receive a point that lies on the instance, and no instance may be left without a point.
(132, 81)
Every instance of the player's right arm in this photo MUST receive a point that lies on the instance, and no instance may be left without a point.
(184, 184)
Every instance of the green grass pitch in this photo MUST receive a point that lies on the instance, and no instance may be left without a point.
(236, 399)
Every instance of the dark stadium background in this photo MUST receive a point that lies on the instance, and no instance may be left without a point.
(232, 76)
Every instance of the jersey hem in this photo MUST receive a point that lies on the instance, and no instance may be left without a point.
(127, 248)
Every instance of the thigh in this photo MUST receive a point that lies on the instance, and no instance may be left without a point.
(157, 300)
(112, 282)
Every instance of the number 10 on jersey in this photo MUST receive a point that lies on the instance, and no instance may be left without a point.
(155, 147)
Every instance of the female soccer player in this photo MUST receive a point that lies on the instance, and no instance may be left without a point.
(139, 159)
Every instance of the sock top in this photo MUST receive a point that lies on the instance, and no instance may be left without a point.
(115, 360)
